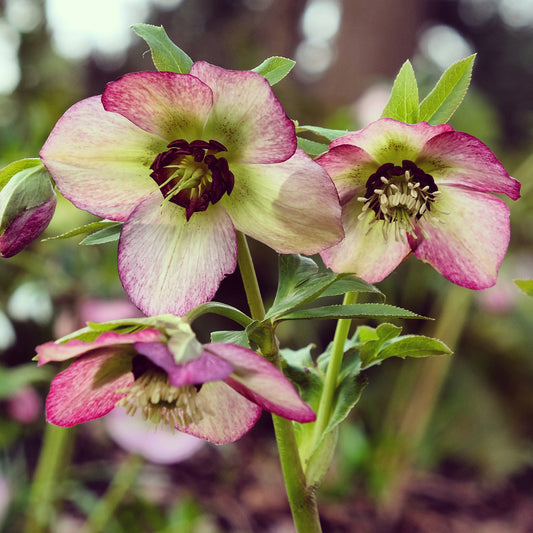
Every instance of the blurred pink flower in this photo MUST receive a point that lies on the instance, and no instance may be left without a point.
(185, 160)
(215, 392)
(25, 405)
(422, 189)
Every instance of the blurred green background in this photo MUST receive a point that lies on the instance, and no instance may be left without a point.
(434, 445)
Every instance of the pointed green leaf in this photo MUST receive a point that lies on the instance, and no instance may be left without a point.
(440, 104)
(526, 285)
(326, 133)
(275, 68)
(311, 148)
(232, 337)
(93, 228)
(369, 310)
(17, 166)
(350, 283)
(110, 233)
(166, 55)
(403, 101)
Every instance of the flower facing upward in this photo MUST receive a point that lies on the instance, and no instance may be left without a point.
(214, 391)
(419, 188)
(185, 160)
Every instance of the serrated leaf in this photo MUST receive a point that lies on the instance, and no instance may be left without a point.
(166, 55)
(368, 310)
(275, 68)
(526, 285)
(110, 233)
(311, 148)
(440, 104)
(86, 228)
(350, 283)
(403, 101)
(326, 133)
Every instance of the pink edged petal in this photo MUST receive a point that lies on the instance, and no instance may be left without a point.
(227, 414)
(87, 389)
(100, 161)
(262, 383)
(455, 158)
(292, 207)
(27, 227)
(247, 118)
(172, 106)
(169, 265)
(365, 251)
(390, 141)
(207, 367)
(469, 244)
(53, 351)
(349, 167)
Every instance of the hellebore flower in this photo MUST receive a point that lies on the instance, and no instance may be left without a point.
(27, 204)
(423, 189)
(214, 391)
(185, 160)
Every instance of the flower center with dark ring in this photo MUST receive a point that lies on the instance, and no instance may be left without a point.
(192, 175)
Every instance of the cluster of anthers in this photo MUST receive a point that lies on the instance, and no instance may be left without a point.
(399, 196)
(157, 400)
(191, 175)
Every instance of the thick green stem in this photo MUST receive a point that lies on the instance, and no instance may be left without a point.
(120, 485)
(55, 454)
(301, 497)
(332, 373)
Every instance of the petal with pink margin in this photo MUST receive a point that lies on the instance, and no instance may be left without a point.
(54, 351)
(170, 265)
(455, 158)
(365, 251)
(207, 367)
(87, 389)
(349, 167)
(247, 118)
(227, 415)
(170, 105)
(469, 245)
(293, 207)
(262, 383)
(390, 141)
(100, 161)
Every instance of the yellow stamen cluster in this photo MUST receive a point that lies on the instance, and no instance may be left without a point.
(160, 402)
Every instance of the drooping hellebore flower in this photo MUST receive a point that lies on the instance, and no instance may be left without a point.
(423, 189)
(214, 391)
(185, 160)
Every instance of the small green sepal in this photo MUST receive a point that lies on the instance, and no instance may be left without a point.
(275, 68)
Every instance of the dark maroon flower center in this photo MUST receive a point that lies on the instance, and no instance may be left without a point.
(399, 195)
(192, 175)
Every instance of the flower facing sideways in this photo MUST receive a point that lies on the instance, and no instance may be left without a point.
(214, 391)
(185, 160)
(423, 189)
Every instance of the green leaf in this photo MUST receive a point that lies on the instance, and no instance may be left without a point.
(368, 310)
(109, 233)
(326, 133)
(350, 283)
(166, 55)
(232, 337)
(311, 148)
(409, 346)
(275, 68)
(13, 168)
(403, 101)
(440, 104)
(526, 285)
(93, 228)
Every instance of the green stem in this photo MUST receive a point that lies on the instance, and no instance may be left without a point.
(55, 454)
(120, 485)
(324, 411)
(218, 309)
(301, 498)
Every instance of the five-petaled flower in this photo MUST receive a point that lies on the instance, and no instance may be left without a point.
(185, 160)
(423, 189)
(214, 391)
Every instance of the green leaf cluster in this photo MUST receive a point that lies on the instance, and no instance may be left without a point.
(441, 102)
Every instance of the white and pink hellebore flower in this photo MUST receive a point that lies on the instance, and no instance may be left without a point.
(214, 391)
(423, 189)
(185, 160)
